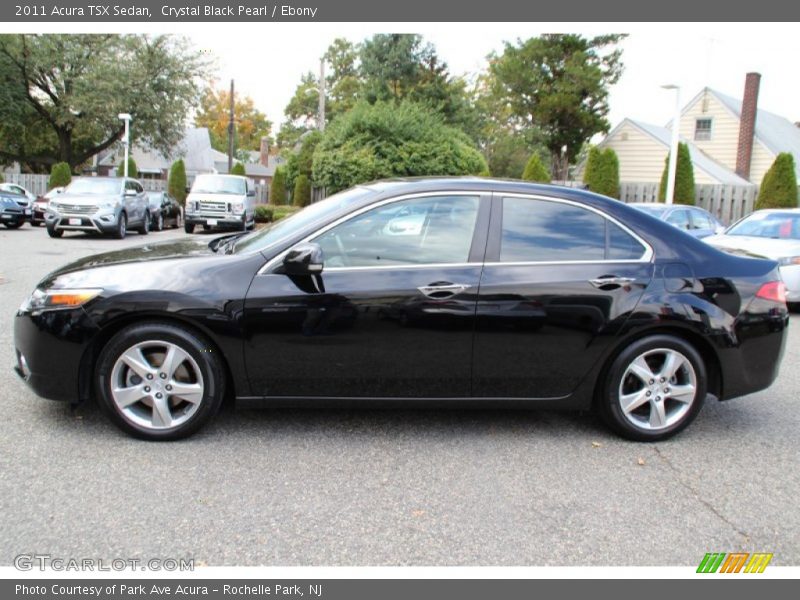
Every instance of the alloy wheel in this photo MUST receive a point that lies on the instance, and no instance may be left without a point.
(156, 385)
(657, 389)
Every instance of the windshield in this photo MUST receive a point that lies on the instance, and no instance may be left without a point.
(779, 225)
(94, 185)
(219, 184)
(657, 210)
(319, 211)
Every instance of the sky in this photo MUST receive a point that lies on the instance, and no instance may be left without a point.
(267, 59)
(692, 56)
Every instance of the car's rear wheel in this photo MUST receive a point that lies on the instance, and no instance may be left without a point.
(159, 381)
(654, 388)
(206, 227)
(144, 228)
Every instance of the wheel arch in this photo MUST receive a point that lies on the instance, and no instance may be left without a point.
(697, 341)
(92, 352)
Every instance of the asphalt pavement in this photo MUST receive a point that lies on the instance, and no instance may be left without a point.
(401, 487)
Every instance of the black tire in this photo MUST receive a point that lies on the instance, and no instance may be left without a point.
(243, 224)
(178, 221)
(158, 223)
(122, 226)
(206, 227)
(632, 426)
(16, 225)
(195, 345)
(144, 228)
(54, 233)
(188, 228)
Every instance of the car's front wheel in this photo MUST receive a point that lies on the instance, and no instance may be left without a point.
(53, 232)
(159, 381)
(654, 388)
(122, 226)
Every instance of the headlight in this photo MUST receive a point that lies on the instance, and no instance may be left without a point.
(108, 204)
(57, 299)
(54, 205)
(789, 260)
(238, 208)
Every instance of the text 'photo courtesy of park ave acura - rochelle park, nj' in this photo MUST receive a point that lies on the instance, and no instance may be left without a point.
(332, 295)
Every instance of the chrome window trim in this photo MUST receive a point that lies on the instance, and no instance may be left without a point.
(473, 193)
(646, 257)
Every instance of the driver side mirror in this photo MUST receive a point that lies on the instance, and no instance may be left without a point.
(304, 259)
(130, 192)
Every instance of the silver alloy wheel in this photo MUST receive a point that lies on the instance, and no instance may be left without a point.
(657, 389)
(156, 385)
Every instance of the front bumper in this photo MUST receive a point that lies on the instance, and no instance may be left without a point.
(226, 220)
(14, 217)
(98, 222)
(49, 350)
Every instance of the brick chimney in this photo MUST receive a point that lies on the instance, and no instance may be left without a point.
(263, 156)
(747, 124)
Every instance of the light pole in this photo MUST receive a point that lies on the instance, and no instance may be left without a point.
(673, 147)
(127, 118)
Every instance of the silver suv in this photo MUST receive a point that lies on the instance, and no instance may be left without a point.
(105, 205)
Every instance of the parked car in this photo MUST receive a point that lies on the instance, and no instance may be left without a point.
(13, 211)
(165, 211)
(510, 294)
(39, 210)
(692, 219)
(773, 234)
(222, 201)
(18, 189)
(105, 205)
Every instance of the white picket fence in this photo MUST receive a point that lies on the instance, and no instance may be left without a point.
(726, 202)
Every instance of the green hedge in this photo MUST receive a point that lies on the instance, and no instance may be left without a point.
(779, 186)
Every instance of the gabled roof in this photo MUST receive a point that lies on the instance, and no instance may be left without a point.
(253, 167)
(775, 132)
(194, 149)
(700, 159)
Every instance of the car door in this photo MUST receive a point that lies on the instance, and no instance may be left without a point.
(559, 280)
(391, 316)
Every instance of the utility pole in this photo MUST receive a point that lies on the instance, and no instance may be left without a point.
(230, 133)
(673, 146)
(321, 116)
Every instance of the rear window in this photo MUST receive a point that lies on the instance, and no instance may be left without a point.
(545, 231)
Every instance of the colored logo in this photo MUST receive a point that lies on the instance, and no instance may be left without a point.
(734, 562)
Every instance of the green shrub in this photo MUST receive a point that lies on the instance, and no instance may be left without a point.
(133, 170)
(280, 212)
(591, 166)
(601, 174)
(302, 191)
(176, 185)
(684, 177)
(238, 169)
(535, 170)
(277, 189)
(391, 140)
(60, 175)
(263, 213)
(779, 186)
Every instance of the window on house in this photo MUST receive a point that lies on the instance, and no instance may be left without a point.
(702, 130)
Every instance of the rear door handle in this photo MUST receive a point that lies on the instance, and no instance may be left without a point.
(443, 290)
(611, 280)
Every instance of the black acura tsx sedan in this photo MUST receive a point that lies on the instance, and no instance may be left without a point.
(447, 290)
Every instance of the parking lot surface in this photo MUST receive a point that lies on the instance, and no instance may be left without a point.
(371, 487)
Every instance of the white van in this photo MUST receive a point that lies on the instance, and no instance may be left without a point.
(224, 201)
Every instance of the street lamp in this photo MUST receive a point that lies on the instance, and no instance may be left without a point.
(127, 139)
(673, 147)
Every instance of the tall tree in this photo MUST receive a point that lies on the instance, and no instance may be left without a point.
(558, 84)
(390, 64)
(214, 114)
(343, 85)
(684, 177)
(176, 184)
(60, 94)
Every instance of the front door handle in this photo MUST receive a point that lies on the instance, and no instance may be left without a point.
(443, 289)
(611, 280)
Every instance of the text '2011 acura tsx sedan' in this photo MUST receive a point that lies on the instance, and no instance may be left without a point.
(473, 290)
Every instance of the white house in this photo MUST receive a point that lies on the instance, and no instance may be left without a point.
(731, 141)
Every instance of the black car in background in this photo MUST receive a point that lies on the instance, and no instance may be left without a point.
(165, 211)
(450, 289)
(14, 210)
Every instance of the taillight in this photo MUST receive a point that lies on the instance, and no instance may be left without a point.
(774, 291)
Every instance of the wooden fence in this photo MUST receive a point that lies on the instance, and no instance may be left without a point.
(728, 203)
